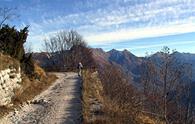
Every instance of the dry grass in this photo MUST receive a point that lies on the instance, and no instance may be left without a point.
(7, 61)
(111, 111)
(33, 87)
(39, 71)
(92, 90)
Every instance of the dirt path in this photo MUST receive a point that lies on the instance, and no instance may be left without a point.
(60, 104)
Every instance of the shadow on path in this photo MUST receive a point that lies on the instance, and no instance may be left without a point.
(73, 113)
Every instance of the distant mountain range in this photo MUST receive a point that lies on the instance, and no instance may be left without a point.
(132, 65)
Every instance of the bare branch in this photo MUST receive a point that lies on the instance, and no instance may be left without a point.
(7, 14)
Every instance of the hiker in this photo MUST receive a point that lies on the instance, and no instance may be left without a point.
(79, 67)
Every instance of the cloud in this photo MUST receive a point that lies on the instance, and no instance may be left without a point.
(102, 22)
(152, 12)
(158, 45)
(148, 32)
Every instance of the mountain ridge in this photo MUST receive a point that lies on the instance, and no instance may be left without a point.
(132, 64)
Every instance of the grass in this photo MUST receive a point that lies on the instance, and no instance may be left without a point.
(32, 88)
(91, 94)
(7, 62)
(111, 111)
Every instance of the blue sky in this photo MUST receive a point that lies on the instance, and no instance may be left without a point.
(137, 25)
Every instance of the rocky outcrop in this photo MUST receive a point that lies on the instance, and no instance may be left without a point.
(10, 80)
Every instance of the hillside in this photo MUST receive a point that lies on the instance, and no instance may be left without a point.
(115, 106)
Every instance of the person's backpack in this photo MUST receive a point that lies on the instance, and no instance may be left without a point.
(78, 66)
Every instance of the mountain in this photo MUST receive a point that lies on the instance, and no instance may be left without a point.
(126, 61)
(182, 58)
(41, 58)
(100, 56)
(132, 65)
(187, 58)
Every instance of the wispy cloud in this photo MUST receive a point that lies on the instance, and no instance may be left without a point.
(130, 34)
(109, 21)
(158, 45)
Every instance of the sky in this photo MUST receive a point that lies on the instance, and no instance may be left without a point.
(139, 26)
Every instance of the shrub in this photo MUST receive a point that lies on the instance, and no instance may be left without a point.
(11, 43)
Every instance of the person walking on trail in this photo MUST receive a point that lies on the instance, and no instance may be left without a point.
(79, 67)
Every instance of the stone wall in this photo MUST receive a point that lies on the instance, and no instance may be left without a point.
(10, 79)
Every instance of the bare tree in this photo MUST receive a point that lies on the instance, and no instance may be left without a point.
(28, 47)
(165, 83)
(66, 46)
(7, 14)
(63, 41)
(120, 92)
